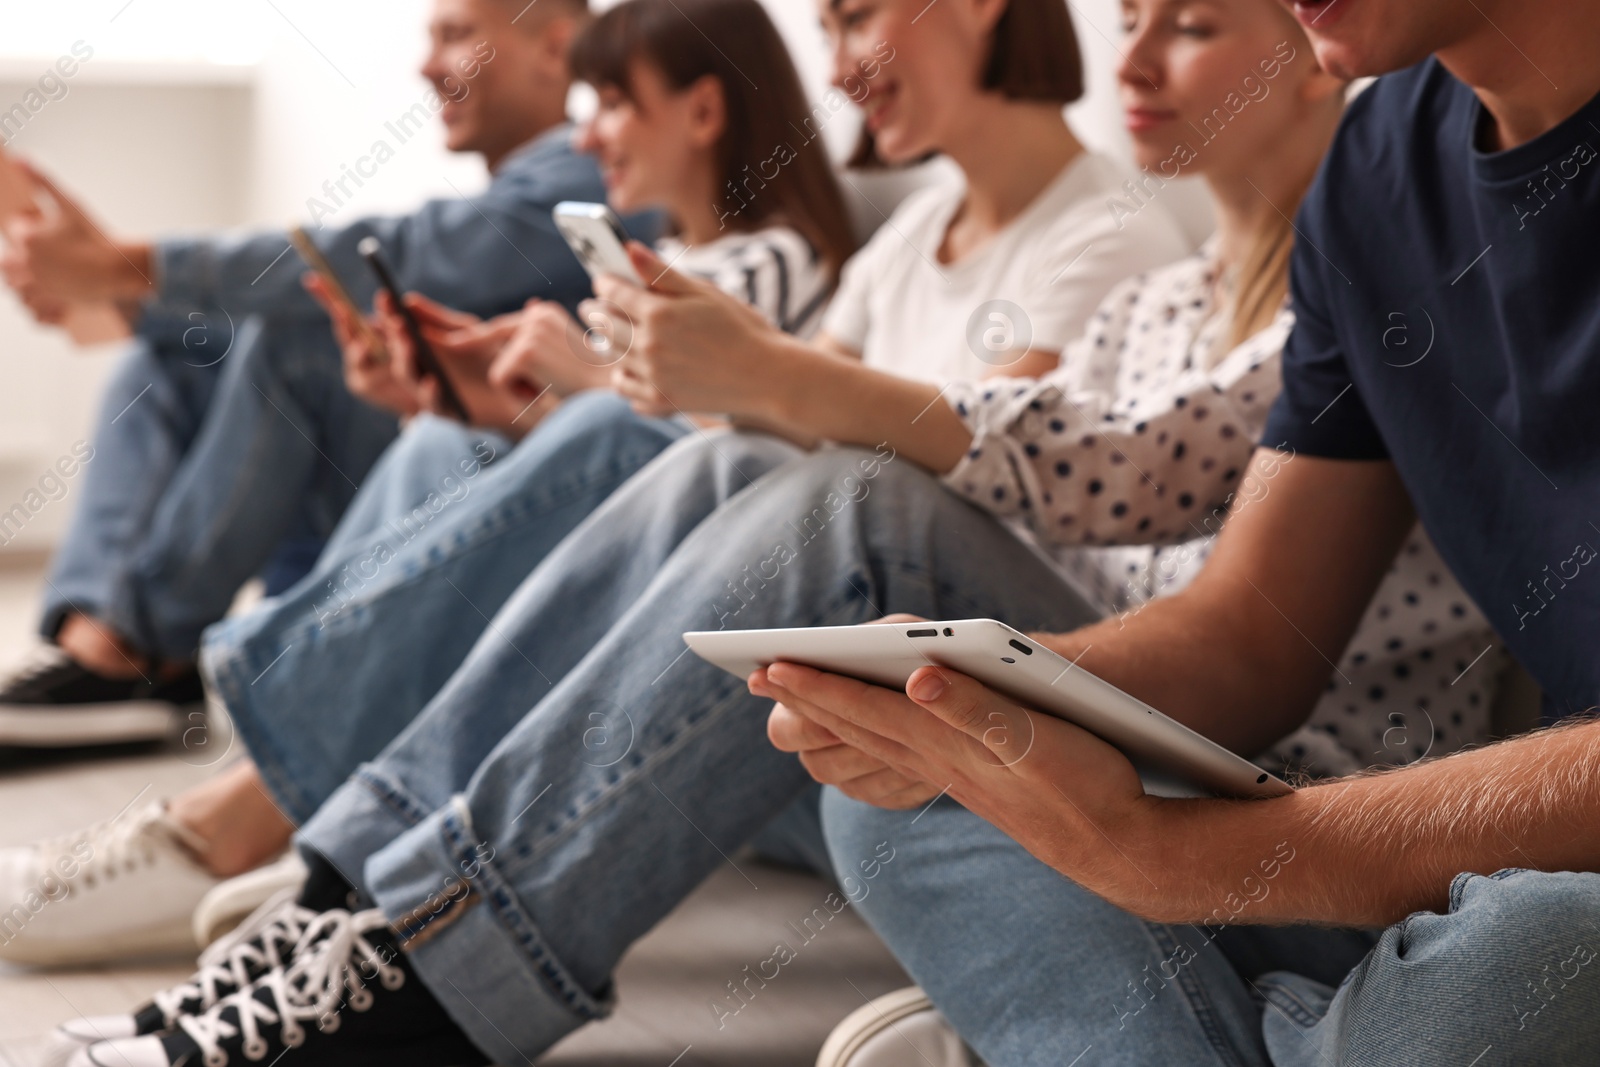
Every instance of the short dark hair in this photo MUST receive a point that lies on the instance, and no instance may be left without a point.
(1033, 55)
(686, 40)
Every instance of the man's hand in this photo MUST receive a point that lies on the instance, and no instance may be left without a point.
(548, 349)
(60, 256)
(690, 347)
(1072, 800)
(853, 772)
(369, 372)
(466, 346)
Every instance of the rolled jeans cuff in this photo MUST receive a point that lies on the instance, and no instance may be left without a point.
(494, 974)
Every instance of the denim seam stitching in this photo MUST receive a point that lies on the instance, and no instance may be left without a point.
(392, 796)
(1194, 995)
(513, 917)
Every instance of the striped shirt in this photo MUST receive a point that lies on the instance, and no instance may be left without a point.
(775, 271)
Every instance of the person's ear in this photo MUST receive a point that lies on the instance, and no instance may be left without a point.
(708, 111)
(985, 14)
(555, 41)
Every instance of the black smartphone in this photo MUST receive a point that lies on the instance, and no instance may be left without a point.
(427, 361)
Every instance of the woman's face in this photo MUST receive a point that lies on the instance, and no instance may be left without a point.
(1208, 86)
(648, 144)
(912, 67)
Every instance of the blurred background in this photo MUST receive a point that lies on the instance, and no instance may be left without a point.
(197, 115)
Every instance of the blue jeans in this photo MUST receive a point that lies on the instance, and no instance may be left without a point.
(1031, 969)
(199, 473)
(581, 772)
(323, 677)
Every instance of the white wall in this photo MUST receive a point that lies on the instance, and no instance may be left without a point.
(157, 135)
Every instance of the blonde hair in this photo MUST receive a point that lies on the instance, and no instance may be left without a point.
(1261, 283)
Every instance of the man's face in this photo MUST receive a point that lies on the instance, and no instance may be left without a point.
(485, 69)
(1355, 38)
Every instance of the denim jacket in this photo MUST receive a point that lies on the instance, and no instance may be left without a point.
(486, 254)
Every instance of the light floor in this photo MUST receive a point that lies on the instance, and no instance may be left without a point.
(667, 984)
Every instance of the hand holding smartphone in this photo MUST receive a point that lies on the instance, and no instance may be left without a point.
(427, 360)
(323, 269)
(596, 237)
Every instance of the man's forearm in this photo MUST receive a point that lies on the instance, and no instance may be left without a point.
(1200, 662)
(1242, 654)
(1369, 850)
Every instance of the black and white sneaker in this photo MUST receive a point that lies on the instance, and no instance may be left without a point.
(272, 937)
(348, 1000)
(53, 702)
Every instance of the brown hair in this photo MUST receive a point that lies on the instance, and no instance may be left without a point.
(686, 40)
(1033, 55)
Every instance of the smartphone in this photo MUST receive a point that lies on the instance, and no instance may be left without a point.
(597, 238)
(427, 360)
(324, 270)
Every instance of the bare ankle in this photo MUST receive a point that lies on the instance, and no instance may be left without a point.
(95, 646)
(240, 826)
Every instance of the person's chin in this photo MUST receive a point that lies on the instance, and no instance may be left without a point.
(897, 149)
(622, 202)
(460, 136)
(1348, 60)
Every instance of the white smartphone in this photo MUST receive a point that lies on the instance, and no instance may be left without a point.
(597, 238)
(1172, 759)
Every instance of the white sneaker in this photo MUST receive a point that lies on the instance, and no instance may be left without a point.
(270, 938)
(899, 1029)
(227, 905)
(121, 888)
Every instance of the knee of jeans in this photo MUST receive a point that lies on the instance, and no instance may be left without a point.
(863, 842)
(856, 474)
(427, 436)
(1533, 916)
(737, 458)
(601, 428)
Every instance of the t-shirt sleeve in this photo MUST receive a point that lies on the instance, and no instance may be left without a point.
(1320, 410)
(848, 315)
(1086, 253)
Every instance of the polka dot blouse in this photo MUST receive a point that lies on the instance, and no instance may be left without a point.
(1123, 463)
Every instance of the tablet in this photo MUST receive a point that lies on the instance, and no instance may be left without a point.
(1172, 759)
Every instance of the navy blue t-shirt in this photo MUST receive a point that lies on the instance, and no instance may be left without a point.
(1447, 306)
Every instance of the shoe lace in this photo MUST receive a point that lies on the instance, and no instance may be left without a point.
(118, 844)
(38, 662)
(331, 958)
(231, 963)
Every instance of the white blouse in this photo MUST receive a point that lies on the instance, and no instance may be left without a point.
(1141, 439)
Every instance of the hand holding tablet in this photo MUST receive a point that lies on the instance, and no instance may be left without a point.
(1016, 667)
